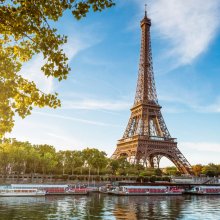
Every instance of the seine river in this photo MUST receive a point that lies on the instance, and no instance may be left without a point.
(99, 206)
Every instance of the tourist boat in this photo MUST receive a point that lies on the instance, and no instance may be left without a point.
(204, 190)
(106, 189)
(10, 192)
(147, 190)
(53, 189)
(77, 191)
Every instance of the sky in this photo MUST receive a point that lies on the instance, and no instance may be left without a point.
(103, 51)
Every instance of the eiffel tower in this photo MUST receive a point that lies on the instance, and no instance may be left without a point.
(146, 138)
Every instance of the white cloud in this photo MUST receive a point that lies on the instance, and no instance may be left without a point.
(201, 146)
(85, 121)
(182, 97)
(215, 107)
(78, 40)
(189, 26)
(91, 104)
(191, 101)
(201, 152)
(63, 142)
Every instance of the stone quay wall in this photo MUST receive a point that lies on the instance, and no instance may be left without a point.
(62, 179)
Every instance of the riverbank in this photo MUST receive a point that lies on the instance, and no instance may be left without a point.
(94, 179)
(70, 179)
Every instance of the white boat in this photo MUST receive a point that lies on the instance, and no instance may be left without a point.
(147, 190)
(205, 190)
(53, 189)
(77, 191)
(10, 192)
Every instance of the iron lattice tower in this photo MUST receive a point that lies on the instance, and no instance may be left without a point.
(146, 138)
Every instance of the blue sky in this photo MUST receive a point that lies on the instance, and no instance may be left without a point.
(103, 51)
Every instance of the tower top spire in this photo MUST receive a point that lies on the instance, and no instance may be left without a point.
(145, 20)
(145, 10)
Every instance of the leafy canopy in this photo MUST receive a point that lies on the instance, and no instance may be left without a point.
(24, 32)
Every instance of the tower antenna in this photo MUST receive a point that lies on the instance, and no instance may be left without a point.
(145, 10)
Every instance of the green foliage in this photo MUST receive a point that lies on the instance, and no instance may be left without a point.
(25, 31)
(208, 170)
(24, 158)
(172, 171)
(158, 172)
(114, 166)
(211, 170)
(153, 179)
(166, 178)
(197, 169)
(150, 172)
(95, 158)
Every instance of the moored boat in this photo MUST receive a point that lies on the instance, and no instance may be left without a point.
(10, 192)
(51, 189)
(146, 190)
(77, 191)
(54, 189)
(108, 188)
(204, 190)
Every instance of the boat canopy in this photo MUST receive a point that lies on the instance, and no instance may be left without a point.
(38, 186)
(207, 187)
(145, 187)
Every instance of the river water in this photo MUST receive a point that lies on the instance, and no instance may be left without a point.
(101, 206)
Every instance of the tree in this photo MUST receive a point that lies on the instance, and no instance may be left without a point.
(62, 160)
(123, 165)
(5, 157)
(25, 30)
(88, 157)
(158, 172)
(114, 164)
(100, 160)
(13, 156)
(210, 170)
(94, 159)
(33, 159)
(48, 160)
(74, 160)
(150, 171)
(18, 154)
(197, 169)
(172, 171)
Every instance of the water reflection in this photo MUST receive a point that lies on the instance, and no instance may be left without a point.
(99, 206)
(16, 201)
(151, 207)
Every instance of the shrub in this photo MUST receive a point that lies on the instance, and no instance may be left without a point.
(153, 179)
